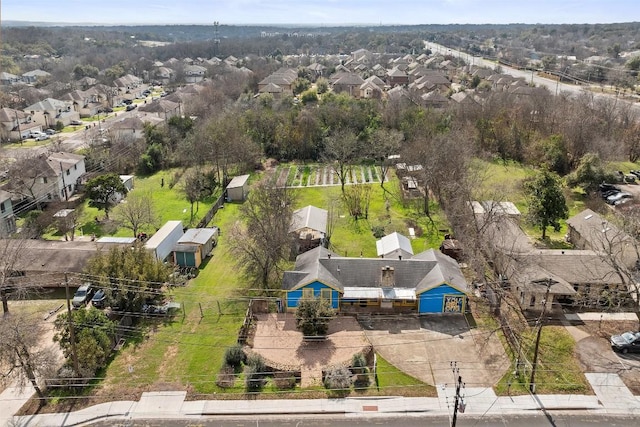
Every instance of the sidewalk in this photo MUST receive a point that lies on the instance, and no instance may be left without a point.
(611, 397)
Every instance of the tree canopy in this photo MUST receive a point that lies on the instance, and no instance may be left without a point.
(102, 191)
(547, 204)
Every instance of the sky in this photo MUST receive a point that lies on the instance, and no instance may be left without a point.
(321, 12)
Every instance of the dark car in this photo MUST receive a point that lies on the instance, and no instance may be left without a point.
(108, 110)
(99, 299)
(82, 295)
(629, 342)
(131, 107)
(127, 101)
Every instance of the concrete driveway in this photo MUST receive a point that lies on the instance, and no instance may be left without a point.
(425, 347)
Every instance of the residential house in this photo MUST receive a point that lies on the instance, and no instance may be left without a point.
(348, 83)
(429, 282)
(394, 246)
(194, 73)
(238, 188)
(397, 77)
(433, 99)
(7, 217)
(164, 75)
(8, 79)
(590, 231)
(16, 125)
(48, 112)
(272, 89)
(309, 228)
(44, 263)
(577, 278)
(128, 128)
(162, 108)
(283, 77)
(35, 76)
(87, 103)
(47, 178)
(370, 90)
(194, 246)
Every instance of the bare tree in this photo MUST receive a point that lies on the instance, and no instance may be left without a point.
(136, 212)
(11, 251)
(385, 143)
(24, 359)
(342, 149)
(262, 243)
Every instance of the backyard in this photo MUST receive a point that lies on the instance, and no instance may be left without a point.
(187, 351)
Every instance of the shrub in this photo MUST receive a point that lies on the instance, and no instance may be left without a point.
(284, 380)
(313, 317)
(338, 380)
(234, 356)
(226, 377)
(378, 231)
(359, 367)
(254, 379)
(256, 361)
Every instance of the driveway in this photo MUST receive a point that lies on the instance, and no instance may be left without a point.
(425, 347)
(594, 351)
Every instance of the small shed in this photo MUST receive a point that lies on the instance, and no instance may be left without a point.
(394, 245)
(238, 188)
(163, 241)
(309, 226)
(127, 180)
(194, 246)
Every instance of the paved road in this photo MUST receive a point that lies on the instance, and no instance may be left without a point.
(527, 420)
(554, 86)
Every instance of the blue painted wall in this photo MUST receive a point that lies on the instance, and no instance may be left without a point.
(432, 301)
(293, 297)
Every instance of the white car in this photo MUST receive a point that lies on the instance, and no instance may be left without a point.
(42, 137)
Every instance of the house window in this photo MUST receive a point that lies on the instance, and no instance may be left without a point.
(44, 179)
(2, 207)
(68, 172)
(532, 302)
(49, 196)
(325, 294)
(75, 167)
(307, 293)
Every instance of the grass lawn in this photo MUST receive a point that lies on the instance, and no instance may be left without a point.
(170, 204)
(352, 238)
(557, 371)
(393, 382)
(188, 353)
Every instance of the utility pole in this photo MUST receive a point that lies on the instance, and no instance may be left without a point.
(72, 335)
(458, 403)
(532, 384)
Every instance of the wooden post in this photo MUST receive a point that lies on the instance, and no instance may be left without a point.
(72, 335)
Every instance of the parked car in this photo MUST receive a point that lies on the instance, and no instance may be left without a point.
(50, 131)
(108, 110)
(76, 122)
(42, 137)
(619, 196)
(630, 178)
(629, 342)
(605, 186)
(127, 101)
(99, 299)
(35, 134)
(82, 296)
(131, 107)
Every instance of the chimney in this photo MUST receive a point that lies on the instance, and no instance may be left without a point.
(387, 280)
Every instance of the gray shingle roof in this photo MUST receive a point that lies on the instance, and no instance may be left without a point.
(421, 273)
(309, 217)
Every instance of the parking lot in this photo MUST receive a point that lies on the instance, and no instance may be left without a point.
(425, 347)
